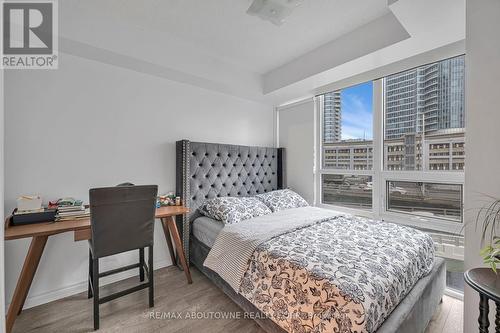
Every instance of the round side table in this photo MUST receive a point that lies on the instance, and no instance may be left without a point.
(487, 284)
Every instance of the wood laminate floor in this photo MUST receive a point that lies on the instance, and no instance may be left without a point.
(174, 298)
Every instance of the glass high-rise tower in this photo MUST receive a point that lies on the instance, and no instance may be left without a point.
(425, 99)
(332, 117)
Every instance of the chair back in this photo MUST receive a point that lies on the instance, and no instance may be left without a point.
(122, 218)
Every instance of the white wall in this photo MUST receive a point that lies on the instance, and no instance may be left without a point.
(296, 134)
(483, 133)
(2, 266)
(91, 124)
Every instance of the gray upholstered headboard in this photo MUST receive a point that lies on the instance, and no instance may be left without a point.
(208, 170)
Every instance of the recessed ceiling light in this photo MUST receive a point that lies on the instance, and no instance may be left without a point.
(274, 11)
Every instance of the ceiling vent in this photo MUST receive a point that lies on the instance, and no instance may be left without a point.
(274, 11)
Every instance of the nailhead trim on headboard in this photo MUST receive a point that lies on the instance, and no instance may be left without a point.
(185, 220)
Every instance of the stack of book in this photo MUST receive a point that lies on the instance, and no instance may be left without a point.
(70, 209)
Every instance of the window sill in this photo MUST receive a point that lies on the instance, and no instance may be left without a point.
(345, 210)
(425, 223)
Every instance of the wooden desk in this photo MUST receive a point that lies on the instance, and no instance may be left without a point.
(40, 232)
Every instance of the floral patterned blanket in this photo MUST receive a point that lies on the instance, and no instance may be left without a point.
(236, 243)
(341, 274)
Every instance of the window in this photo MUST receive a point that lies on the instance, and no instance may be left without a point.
(347, 190)
(425, 199)
(347, 146)
(408, 165)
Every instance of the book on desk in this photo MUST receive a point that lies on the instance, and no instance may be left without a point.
(61, 210)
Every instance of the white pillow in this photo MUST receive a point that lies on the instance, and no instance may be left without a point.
(232, 210)
(282, 199)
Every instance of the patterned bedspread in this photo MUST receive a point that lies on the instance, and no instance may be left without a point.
(236, 242)
(343, 274)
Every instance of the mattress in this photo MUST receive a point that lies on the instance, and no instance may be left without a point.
(206, 230)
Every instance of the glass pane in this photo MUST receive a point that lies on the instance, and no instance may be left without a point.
(426, 199)
(425, 117)
(351, 191)
(348, 128)
(455, 274)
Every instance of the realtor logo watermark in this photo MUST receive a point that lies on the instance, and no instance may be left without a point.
(30, 37)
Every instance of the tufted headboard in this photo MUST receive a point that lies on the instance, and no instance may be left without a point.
(208, 170)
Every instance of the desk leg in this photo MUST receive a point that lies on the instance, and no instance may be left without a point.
(484, 309)
(25, 279)
(164, 224)
(178, 244)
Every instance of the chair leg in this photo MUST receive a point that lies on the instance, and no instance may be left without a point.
(90, 276)
(95, 284)
(141, 262)
(150, 276)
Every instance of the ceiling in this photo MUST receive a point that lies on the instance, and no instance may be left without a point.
(222, 28)
(215, 45)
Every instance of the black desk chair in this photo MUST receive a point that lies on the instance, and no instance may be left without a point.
(122, 219)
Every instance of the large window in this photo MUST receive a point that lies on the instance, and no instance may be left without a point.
(407, 165)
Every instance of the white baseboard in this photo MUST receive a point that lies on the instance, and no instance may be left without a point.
(79, 287)
(455, 294)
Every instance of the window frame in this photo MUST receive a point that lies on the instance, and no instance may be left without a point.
(380, 177)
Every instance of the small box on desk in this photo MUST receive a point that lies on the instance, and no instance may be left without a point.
(27, 203)
(48, 215)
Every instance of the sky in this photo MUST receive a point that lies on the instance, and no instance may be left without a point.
(357, 111)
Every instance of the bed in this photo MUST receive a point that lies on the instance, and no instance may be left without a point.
(207, 170)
